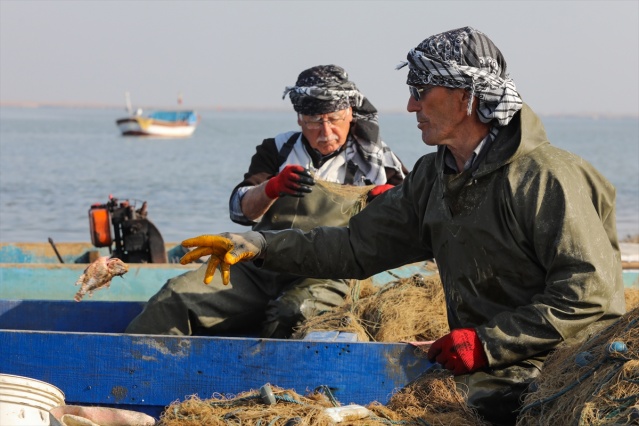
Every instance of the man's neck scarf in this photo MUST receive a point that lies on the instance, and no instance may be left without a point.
(466, 58)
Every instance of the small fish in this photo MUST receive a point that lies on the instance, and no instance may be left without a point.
(99, 274)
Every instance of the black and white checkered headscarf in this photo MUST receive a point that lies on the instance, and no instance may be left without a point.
(466, 58)
(323, 89)
(326, 88)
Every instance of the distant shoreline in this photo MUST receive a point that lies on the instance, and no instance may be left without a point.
(145, 107)
(220, 108)
(633, 239)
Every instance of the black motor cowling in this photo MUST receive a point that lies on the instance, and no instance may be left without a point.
(136, 238)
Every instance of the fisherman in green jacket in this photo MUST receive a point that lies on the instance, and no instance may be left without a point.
(523, 233)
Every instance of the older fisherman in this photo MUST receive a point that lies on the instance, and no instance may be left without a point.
(523, 233)
(339, 142)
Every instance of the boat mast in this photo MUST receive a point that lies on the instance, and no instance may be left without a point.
(127, 98)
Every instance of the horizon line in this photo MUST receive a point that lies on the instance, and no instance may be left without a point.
(33, 104)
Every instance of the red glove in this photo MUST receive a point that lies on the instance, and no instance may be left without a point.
(293, 180)
(378, 190)
(460, 351)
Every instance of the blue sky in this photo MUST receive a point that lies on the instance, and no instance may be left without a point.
(566, 57)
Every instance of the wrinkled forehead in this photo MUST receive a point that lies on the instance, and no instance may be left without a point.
(337, 114)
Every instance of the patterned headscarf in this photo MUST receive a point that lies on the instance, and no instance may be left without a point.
(466, 58)
(324, 89)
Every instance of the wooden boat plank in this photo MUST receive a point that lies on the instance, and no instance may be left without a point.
(70, 252)
(146, 373)
(631, 278)
(44, 253)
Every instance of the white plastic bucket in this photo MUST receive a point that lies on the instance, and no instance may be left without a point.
(26, 401)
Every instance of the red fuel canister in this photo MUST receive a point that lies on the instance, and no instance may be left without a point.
(100, 226)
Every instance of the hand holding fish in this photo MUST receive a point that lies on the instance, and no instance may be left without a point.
(99, 274)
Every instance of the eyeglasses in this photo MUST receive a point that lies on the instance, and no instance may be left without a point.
(315, 122)
(416, 92)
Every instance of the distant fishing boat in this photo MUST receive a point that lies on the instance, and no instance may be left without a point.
(167, 124)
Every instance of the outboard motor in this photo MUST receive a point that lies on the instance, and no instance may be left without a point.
(137, 240)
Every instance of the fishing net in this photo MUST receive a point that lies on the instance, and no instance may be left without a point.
(355, 197)
(408, 309)
(250, 408)
(632, 298)
(592, 383)
(411, 309)
(430, 401)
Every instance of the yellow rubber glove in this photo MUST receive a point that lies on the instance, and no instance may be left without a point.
(225, 249)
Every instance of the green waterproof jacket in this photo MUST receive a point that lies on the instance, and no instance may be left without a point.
(525, 243)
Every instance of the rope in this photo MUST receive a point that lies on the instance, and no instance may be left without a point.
(234, 402)
(328, 393)
(272, 422)
(240, 401)
(244, 399)
(566, 389)
(616, 357)
(610, 375)
(231, 414)
(287, 398)
(387, 421)
(624, 404)
(356, 291)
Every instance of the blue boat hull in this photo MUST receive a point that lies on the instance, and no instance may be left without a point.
(73, 350)
(81, 348)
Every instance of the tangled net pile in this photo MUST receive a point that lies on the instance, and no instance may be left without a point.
(430, 400)
(408, 309)
(249, 408)
(632, 298)
(594, 383)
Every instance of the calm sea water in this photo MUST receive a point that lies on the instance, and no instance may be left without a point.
(56, 162)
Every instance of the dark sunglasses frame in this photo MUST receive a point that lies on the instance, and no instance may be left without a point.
(420, 92)
(416, 92)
